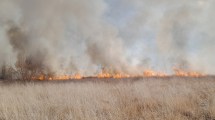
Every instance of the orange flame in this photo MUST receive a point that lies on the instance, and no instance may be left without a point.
(118, 75)
(182, 73)
(104, 75)
(150, 73)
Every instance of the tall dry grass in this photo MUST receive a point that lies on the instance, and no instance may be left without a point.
(154, 99)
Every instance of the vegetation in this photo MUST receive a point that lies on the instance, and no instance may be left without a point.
(145, 99)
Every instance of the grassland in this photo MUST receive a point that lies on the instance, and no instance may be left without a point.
(143, 99)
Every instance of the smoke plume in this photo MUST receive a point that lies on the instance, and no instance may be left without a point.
(129, 36)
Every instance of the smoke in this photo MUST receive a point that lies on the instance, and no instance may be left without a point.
(80, 36)
(170, 33)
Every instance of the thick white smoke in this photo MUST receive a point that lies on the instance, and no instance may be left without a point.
(170, 33)
(70, 36)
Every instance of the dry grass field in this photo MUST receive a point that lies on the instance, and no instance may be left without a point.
(144, 99)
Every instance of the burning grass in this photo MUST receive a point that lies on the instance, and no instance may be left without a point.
(137, 99)
(119, 75)
(26, 72)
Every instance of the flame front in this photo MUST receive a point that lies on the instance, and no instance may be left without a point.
(151, 73)
(119, 75)
(115, 75)
(182, 73)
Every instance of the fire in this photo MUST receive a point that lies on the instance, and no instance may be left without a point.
(182, 73)
(119, 75)
(115, 75)
(150, 73)
(104, 75)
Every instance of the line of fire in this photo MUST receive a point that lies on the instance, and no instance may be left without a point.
(119, 75)
(24, 72)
